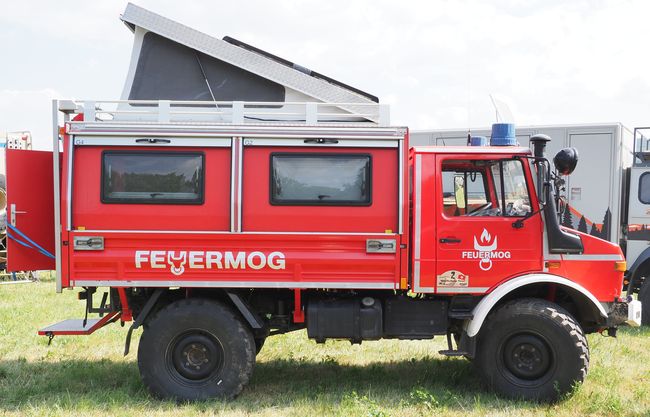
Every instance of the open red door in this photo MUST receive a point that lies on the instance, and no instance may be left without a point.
(30, 210)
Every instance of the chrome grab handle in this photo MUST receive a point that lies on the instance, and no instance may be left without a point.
(381, 245)
(12, 214)
(88, 243)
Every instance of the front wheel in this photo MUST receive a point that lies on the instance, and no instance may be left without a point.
(196, 349)
(532, 349)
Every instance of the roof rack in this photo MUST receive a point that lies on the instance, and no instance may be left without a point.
(228, 112)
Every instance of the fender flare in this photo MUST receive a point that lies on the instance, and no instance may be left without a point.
(483, 308)
(634, 270)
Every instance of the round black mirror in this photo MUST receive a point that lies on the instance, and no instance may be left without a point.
(566, 160)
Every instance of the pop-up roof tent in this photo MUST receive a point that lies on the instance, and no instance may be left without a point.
(171, 61)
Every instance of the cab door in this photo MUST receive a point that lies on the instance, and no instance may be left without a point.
(483, 234)
(30, 210)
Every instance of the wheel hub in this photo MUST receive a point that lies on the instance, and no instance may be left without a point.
(197, 356)
(527, 357)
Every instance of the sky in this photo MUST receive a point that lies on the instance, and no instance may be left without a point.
(435, 62)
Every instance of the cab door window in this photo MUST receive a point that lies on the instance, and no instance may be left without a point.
(484, 188)
(512, 192)
(464, 188)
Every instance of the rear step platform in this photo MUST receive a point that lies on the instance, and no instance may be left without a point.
(75, 327)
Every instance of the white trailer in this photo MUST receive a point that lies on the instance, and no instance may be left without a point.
(608, 195)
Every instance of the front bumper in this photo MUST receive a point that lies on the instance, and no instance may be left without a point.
(624, 312)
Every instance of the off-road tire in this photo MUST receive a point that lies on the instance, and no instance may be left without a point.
(196, 349)
(644, 297)
(532, 349)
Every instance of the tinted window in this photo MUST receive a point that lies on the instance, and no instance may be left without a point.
(644, 188)
(299, 179)
(152, 178)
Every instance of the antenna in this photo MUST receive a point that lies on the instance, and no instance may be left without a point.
(496, 108)
(502, 110)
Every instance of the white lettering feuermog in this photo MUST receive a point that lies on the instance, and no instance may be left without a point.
(178, 261)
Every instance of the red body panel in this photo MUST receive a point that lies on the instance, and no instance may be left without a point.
(29, 190)
(90, 213)
(287, 261)
(595, 270)
(259, 215)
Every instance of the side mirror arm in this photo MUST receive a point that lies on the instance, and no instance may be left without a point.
(519, 223)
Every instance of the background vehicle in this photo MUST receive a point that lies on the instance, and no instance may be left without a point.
(215, 224)
(10, 140)
(606, 197)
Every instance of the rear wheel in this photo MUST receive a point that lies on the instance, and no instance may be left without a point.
(532, 349)
(196, 349)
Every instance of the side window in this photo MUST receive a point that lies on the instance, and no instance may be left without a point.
(512, 192)
(485, 188)
(644, 188)
(152, 177)
(320, 179)
(463, 188)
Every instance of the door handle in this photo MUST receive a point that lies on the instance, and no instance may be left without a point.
(12, 213)
(449, 240)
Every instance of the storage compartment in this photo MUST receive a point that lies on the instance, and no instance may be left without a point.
(355, 319)
(407, 318)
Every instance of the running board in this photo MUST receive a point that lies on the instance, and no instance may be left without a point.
(75, 327)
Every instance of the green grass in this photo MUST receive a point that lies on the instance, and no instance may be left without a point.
(88, 376)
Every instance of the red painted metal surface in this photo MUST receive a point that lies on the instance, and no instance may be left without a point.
(259, 215)
(188, 259)
(298, 312)
(126, 313)
(90, 213)
(30, 200)
(599, 276)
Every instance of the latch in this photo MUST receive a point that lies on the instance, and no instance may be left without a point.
(12, 214)
(88, 243)
(381, 246)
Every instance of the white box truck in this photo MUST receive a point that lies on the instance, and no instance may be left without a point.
(608, 195)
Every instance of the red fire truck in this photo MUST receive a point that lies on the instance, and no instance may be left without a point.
(213, 236)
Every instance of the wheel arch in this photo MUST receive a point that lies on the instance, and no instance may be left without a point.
(641, 264)
(588, 308)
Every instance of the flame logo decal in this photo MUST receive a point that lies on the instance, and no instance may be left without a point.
(485, 245)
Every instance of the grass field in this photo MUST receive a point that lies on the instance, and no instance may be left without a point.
(88, 376)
